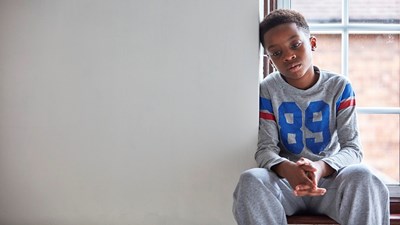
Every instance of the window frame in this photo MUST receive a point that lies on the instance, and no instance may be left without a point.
(345, 28)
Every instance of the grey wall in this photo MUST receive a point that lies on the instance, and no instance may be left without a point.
(125, 112)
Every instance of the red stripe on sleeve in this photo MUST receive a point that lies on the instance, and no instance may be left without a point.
(267, 116)
(347, 103)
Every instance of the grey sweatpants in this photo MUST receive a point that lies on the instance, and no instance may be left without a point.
(354, 197)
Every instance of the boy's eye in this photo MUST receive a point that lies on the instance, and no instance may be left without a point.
(296, 45)
(276, 53)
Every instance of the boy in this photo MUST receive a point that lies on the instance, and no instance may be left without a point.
(308, 149)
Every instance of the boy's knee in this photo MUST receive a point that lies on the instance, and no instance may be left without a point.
(259, 176)
(251, 174)
(360, 174)
(354, 172)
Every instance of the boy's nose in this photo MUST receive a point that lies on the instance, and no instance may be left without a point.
(289, 56)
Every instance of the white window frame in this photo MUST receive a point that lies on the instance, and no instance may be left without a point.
(345, 29)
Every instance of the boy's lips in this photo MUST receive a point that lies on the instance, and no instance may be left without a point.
(294, 67)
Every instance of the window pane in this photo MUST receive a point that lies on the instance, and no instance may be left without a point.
(374, 69)
(328, 11)
(372, 11)
(380, 140)
(328, 54)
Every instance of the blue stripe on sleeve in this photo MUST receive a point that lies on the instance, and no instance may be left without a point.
(266, 104)
(346, 94)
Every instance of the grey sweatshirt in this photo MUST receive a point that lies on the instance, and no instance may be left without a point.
(317, 123)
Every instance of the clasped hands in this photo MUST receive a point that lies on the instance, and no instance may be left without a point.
(307, 183)
(304, 175)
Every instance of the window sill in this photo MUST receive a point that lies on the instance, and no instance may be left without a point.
(394, 191)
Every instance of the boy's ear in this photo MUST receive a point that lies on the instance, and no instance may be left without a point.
(313, 42)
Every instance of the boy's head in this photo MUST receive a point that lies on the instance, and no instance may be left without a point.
(285, 36)
(282, 16)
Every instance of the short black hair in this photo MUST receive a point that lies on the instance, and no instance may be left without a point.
(282, 16)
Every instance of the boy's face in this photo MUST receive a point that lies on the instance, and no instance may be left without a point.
(289, 49)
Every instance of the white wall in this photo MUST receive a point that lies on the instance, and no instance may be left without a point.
(125, 112)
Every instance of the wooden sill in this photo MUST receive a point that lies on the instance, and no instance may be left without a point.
(395, 205)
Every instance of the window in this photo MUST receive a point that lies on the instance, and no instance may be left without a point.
(361, 39)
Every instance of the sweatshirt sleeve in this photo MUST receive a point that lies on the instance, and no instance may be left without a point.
(347, 130)
(267, 154)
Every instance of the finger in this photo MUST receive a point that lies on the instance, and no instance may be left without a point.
(308, 168)
(316, 192)
(303, 161)
(307, 193)
(303, 187)
(309, 179)
(313, 178)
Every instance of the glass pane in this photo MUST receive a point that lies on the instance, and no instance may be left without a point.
(384, 11)
(380, 138)
(374, 69)
(328, 11)
(327, 55)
